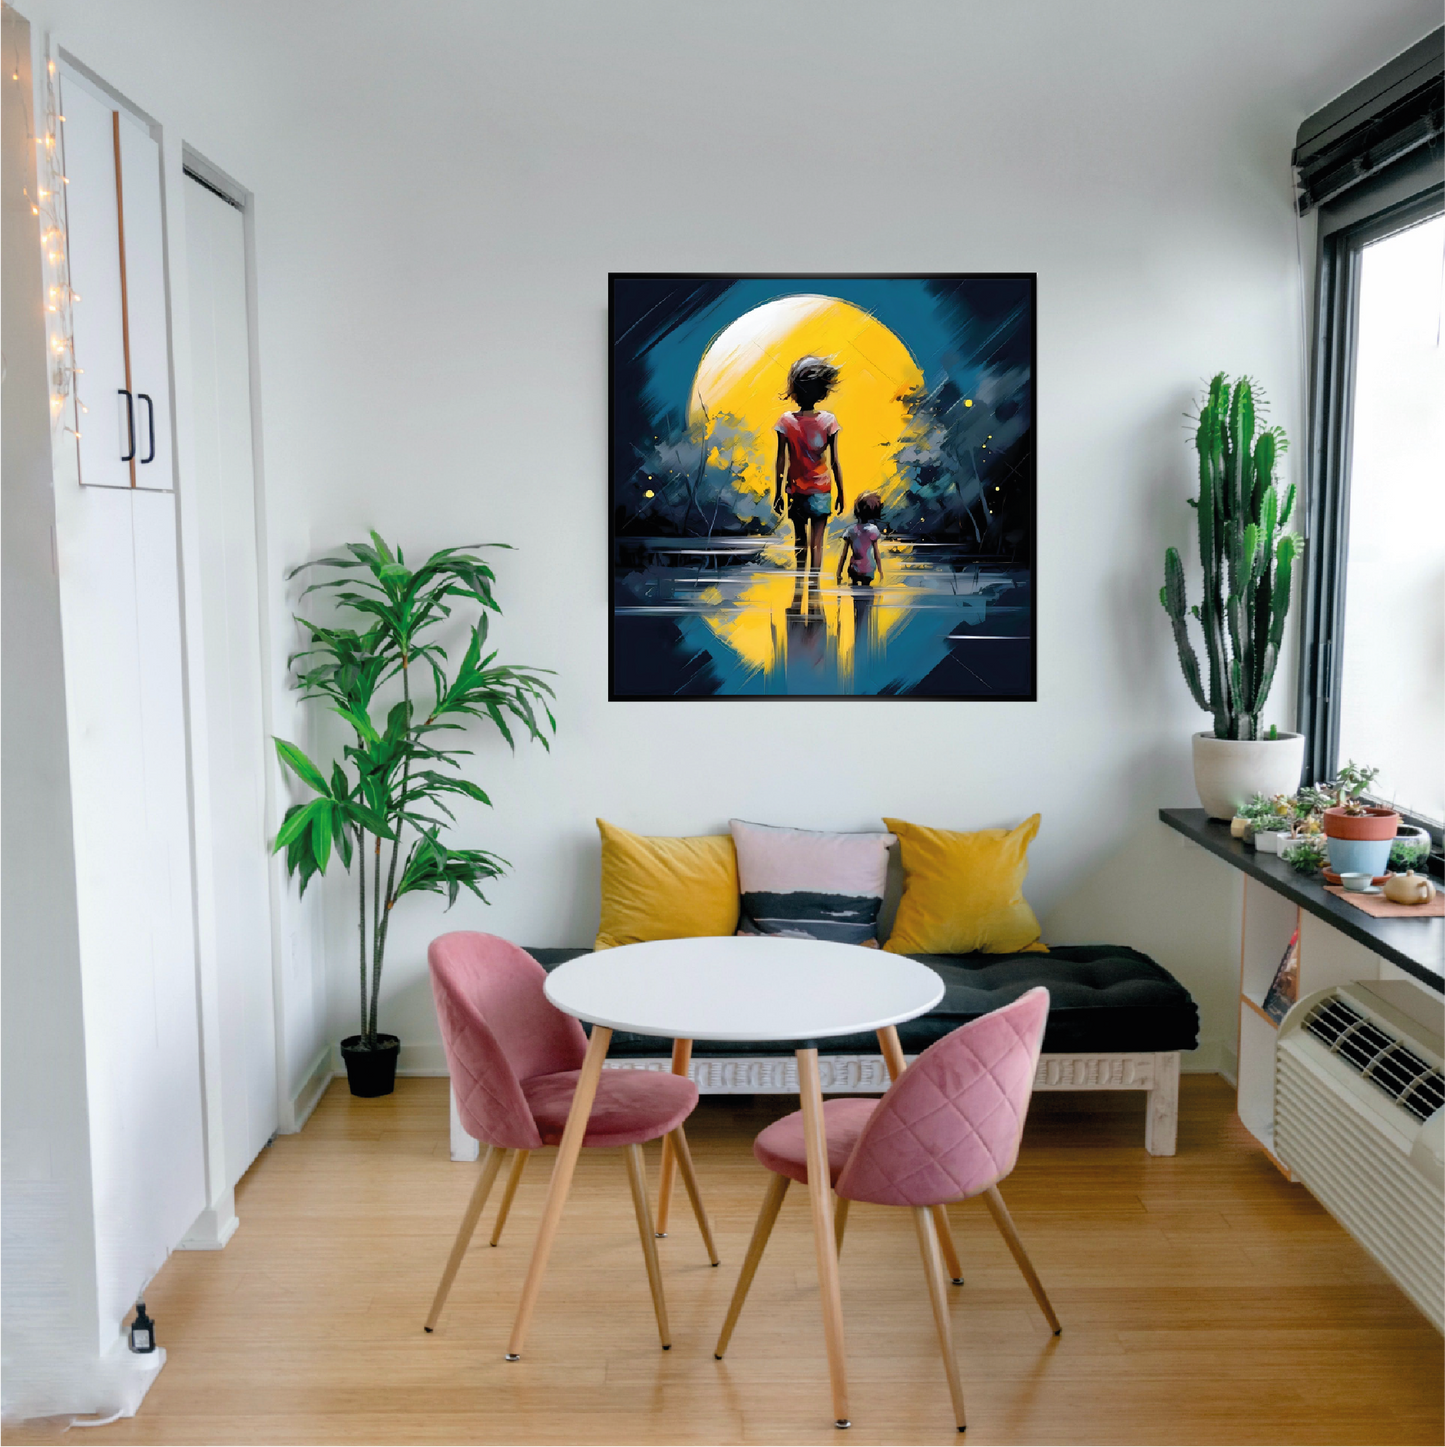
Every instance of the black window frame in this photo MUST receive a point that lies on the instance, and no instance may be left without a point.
(1401, 195)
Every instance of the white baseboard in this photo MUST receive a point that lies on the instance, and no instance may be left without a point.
(428, 1059)
(323, 1070)
(213, 1227)
(1209, 1058)
(127, 1377)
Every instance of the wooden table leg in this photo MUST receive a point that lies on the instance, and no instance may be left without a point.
(820, 1192)
(567, 1153)
(892, 1049)
(681, 1058)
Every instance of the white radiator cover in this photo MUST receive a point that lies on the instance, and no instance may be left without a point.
(1372, 1164)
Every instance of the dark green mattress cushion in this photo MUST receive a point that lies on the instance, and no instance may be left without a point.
(1102, 998)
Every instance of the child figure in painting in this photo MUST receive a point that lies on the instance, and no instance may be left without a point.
(808, 445)
(860, 543)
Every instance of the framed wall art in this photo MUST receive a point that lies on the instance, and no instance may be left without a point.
(822, 486)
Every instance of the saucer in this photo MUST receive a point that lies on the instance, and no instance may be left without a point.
(1332, 878)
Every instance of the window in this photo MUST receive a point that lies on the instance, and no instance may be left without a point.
(1392, 676)
(1371, 166)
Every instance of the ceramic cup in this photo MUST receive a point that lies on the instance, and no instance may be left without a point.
(1356, 883)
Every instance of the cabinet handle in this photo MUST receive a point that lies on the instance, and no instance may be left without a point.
(129, 422)
(150, 426)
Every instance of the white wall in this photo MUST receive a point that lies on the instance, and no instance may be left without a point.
(49, 1268)
(441, 191)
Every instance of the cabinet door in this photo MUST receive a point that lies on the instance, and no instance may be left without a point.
(117, 272)
(98, 317)
(145, 293)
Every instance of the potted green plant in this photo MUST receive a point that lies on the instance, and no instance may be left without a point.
(1305, 853)
(1247, 559)
(1265, 819)
(1410, 850)
(391, 791)
(1360, 835)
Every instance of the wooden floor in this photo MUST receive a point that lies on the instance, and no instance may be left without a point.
(1204, 1299)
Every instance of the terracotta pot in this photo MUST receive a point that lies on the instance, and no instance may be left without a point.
(1374, 823)
(1360, 843)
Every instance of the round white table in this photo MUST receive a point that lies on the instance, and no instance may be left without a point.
(745, 988)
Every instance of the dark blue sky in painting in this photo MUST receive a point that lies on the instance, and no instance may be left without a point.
(955, 327)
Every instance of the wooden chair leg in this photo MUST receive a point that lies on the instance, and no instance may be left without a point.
(514, 1179)
(683, 1156)
(893, 1058)
(840, 1220)
(772, 1204)
(491, 1164)
(637, 1179)
(562, 1171)
(938, 1296)
(945, 1243)
(681, 1057)
(1005, 1224)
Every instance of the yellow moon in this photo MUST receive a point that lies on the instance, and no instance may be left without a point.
(744, 372)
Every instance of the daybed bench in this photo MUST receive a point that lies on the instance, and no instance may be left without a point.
(1117, 1021)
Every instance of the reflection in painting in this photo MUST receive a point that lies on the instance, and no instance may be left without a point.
(822, 487)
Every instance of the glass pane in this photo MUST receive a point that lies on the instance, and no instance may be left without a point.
(1392, 704)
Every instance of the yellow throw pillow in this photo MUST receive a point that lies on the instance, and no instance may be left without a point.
(665, 889)
(964, 892)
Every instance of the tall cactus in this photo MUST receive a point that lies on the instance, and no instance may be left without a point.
(1247, 560)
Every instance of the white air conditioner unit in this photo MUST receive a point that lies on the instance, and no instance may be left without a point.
(1358, 1118)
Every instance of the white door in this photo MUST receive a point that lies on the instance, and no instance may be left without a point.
(224, 495)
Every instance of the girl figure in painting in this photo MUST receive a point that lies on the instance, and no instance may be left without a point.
(860, 543)
(808, 445)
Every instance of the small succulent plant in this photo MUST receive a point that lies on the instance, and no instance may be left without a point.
(1306, 854)
(1351, 784)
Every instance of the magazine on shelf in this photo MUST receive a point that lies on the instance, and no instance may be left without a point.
(1284, 989)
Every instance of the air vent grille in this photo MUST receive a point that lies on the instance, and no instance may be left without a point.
(1378, 1056)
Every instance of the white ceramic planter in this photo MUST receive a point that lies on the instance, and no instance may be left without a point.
(1268, 841)
(1228, 773)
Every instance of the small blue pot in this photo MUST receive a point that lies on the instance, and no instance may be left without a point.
(1359, 856)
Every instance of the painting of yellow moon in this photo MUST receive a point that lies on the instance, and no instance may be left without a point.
(822, 487)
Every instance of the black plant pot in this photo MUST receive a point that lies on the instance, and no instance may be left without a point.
(370, 1073)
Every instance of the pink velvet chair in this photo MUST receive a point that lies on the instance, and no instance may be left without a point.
(948, 1129)
(514, 1060)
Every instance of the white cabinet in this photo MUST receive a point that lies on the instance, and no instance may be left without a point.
(1326, 957)
(113, 222)
(118, 556)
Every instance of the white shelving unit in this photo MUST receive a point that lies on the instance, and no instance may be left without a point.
(1326, 958)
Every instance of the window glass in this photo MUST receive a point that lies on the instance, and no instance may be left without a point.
(1392, 695)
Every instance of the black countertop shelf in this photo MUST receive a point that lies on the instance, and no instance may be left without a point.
(1417, 946)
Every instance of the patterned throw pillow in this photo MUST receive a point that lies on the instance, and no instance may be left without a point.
(804, 884)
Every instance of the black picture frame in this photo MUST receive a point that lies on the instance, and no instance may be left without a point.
(654, 605)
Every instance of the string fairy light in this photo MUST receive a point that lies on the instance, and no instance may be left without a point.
(47, 205)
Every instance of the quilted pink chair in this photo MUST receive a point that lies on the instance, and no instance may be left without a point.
(514, 1060)
(948, 1129)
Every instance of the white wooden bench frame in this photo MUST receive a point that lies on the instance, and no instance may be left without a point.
(1157, 1074)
